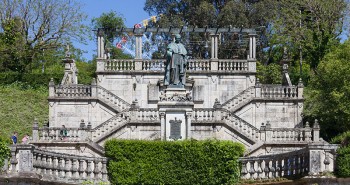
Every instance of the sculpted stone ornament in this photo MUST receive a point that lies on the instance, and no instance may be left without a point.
(175, 97)
(175, 67)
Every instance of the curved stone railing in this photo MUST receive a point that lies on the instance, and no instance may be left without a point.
(240, 99)
(311, 160)
(112, 99)
(57, 167)
(233, 65)
(279, 91)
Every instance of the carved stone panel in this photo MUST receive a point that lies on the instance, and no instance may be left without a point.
(153, 91)
(175, 129)
(198, 93)
(315, 162)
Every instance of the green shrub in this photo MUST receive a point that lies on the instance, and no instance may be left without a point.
(343, 162)
(4, 151)
(180, 162)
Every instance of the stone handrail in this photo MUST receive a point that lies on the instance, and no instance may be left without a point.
(233, 65)
(57, 167)
(288, 134)
(112, 123)
(119, 65)
(145, 114)
(157, 65)
(240, 125)
(240, 99)
(54, 134)
(311, 160)
(204, 114)
(72, 91)
(110, 98)
(279, 91)
(153, 65)
(198, 65)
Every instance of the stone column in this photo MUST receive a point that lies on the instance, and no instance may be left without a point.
(214, 52)
(100, 44)
(316, 131)
(162, 125)
(188, 126)
(252, 47)
(138, 46)
(35, 132)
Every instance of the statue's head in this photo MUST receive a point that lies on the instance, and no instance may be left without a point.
(177, 38)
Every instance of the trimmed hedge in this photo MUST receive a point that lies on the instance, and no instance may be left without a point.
(343, 162)
(180, 162)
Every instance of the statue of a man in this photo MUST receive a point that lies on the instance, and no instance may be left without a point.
(175, 67)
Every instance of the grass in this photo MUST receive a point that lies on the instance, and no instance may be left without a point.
(20, 104)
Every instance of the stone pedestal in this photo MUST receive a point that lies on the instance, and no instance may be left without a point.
(175, 109)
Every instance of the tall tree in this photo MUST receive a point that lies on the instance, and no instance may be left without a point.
(109, 22)
(40, 25)
(328, 93)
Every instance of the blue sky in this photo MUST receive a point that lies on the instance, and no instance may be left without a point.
(131, 10)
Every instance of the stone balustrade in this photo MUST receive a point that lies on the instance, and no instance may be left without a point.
(119, 65)
(240, 125)
(72, 91)
(304, 135)
(233, 65)
(106, 127)
(311, 160)
(145, 114)
(55, 134)
(57, 167)
(204, 114)
(279, 91)
(240, 99)
(157, 65)
(112, 99)
(198, 65)
(153, 65)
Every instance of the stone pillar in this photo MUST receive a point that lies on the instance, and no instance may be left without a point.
(162, 125)
(138, 46)
(316, 131)
(188, 126)
(257, 88)
(300, 89)
(25, 158)
(104, 170)
(94, 88)
(252, 46)
(100, 44)
(214, 45)
(35, 132)
(138, 64)
(51, 88)
(268, 136)
(13, 160)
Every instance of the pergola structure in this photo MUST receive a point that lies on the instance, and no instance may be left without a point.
(213, 32)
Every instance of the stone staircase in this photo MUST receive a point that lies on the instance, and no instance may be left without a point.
(112, 100)
(109, 127)
(240, 99)
(243, 128)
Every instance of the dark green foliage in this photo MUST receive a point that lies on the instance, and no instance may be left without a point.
(327, 96)
(343, 162)
(31, 79)
(4, 151)
(181, 162)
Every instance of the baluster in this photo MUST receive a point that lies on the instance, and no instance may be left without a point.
(244, 170)
(259, 170)
(60, 167)
(251, 170)
(96, 169)
(74, 168)
(39, 163)
(43, 163)
(81, 168)
(67, 168)
(49, 165)
(89, 169)
(104, 169)
(267, 169)
(55, 166)
(286, 164)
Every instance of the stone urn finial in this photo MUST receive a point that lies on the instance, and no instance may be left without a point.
(82, 124)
